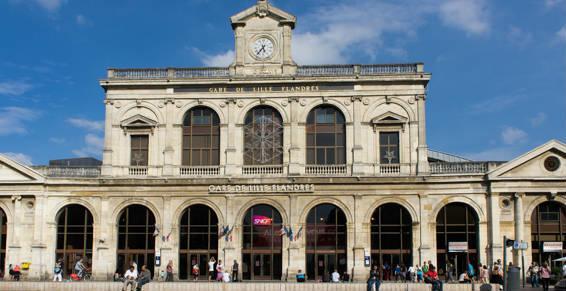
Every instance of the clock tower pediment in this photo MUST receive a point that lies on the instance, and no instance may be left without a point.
(263, 41)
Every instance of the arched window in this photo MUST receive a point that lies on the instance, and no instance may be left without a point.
(198, 239)
(548, 232)
(326, 136)
(457, 236)
(262, 244)
(391, 237)
(201, 137)
(74, 236)
(3, 239)
(326, 242)
(263, 137)
(136, 241)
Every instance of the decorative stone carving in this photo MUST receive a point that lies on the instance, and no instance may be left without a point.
(303, 102)
(365, 101)
(411, 100)
(240, 103)
(284, 103)
(179, 104)
(347, 102)
(117, 104)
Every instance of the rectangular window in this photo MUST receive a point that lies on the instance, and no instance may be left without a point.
(389, 147)
(139, 150)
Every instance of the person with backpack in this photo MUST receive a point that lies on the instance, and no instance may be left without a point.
(58, 271)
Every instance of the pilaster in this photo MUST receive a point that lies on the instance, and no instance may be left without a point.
(519, 224)
(422, 151)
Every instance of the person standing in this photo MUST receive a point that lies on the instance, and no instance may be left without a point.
(211, 264)
(219, 271)
(412, 273)
(195, 272)
(449, 272)
(335, 276)
(484, 275)
(235, 269)
(169, 269)
(57, 271)
(420, 274)
(545, 276)
(373, 280)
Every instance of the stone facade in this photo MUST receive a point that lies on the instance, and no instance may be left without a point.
(371, 98)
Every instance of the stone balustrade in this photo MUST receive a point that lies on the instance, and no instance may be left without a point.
(75, 172)
(302, 71)
(256, 286)
(459, 168)
(263, 170)
(199, 171)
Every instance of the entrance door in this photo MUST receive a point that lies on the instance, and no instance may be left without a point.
(200, 259)
(326, 263)
(140, 259)
(262, 267)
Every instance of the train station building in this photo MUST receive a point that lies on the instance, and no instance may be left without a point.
(280, 166)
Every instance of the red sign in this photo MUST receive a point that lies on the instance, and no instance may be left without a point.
(261, 220)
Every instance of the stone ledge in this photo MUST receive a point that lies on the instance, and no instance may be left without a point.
(256, 286)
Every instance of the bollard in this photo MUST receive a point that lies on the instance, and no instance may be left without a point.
(513, 279)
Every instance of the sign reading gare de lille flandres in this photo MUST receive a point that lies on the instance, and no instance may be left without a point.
(262, 188)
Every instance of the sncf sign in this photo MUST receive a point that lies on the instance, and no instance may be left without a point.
(261, 220)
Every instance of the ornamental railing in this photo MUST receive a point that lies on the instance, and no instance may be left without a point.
(199, 170)
(326, 170)
(392, 169)
(459, 168)
(137, 171)
(263, 170)
(70, 172)
(302, 71)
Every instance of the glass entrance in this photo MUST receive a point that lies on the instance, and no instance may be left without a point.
(326, 242)
(136, 242)
(74, 236)
(262, 244)
(548, 226)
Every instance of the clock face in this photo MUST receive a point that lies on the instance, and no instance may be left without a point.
(262, 48)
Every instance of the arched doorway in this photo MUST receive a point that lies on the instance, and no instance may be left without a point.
(391, 237)
(457, 236)
(3, 239)
(74, 236)
(548, 232)
(136, 240)
(326, 242)
(198, 239)
(262, 244)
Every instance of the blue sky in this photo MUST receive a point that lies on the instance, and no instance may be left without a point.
(499, 67)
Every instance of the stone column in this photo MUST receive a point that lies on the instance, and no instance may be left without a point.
(359, 156)
(361, 233)
(106, 246)
(423, 168)
(519, 225)
(38, 268)
(495, 239)
(231, 167)
(295, 259)
(169, 159)
(106, 169)
(427, 231)
(295, 157)
(167, 249)
(228, 243)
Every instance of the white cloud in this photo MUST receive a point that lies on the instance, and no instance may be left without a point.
(90, 125)
(519, 37)
(511, 135)
(81, 20)
(469, 15)
(219, 60)
(539, 119)
(57, 140)
(496, 104)
(552, 3)
(14, 88)
(13, 119)
(19, 157)
(333, 33)
(50, 5)
(561, 34)
(93, 146)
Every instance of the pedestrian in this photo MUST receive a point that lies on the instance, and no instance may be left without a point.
(373, 282)
(449, 272)
(397, 273)
(235, 269)
(301, 278)
(335, 276)
(130, 278)
(425, 267)
(412, 273)
(532, 274)
(484, 275)
(17, 273)
(211, 264)
(420, 274)
(545, 276)
(195, 272)
(144, 278)
(169, 269)
(431, 277)
(57, 271)
(219, 271)
(496, 277)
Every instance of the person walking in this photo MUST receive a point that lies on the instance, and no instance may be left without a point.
(58, 271)
(211, 264)
(484, 275)
(373, 280)
(169, 269)
(449, 272)
(235, 269)
(545, 276)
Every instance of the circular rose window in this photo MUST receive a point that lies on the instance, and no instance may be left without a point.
(552, 164)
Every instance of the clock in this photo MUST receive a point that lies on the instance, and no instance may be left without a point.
(262, 48)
